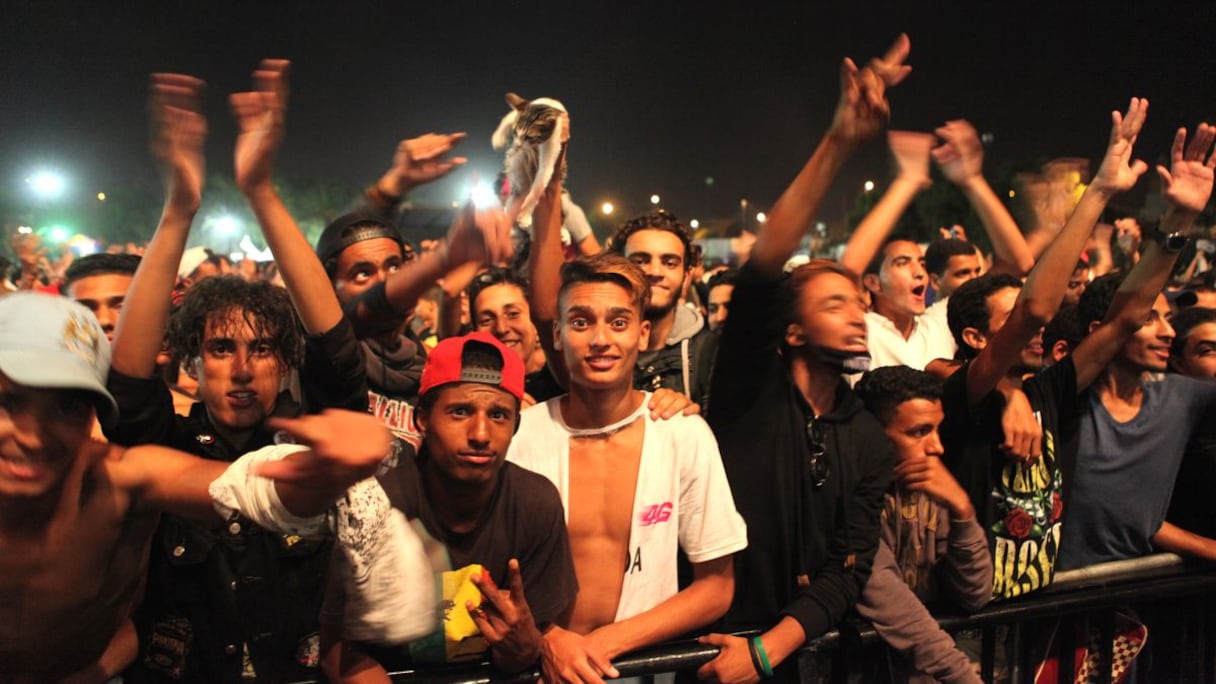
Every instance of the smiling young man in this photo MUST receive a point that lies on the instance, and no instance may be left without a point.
(498, 303)
(77, 515)
(471, 507)
(680, 351)
(634, 487)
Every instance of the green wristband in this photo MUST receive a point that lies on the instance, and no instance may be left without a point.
(768, 668)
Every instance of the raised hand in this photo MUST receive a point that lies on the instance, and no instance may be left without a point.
(29, 250)
(419, 161)
(344, 447)
(481, 235)
(1118, 173)
(911, 152)
(1187, 184)
(862, 110)
(260, 117)
(960, 156)
(178, 133)
(506, 621)
(927, 474)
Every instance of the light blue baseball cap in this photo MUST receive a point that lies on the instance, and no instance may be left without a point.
(52, 342)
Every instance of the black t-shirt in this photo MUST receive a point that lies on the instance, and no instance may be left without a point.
(1019, 504)
(524, 520)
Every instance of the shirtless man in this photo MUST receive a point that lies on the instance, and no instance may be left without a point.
(594, 444)
(77, 515)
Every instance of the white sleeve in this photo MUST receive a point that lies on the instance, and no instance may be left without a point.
(239, 490)
(710, 527)
(385, 579)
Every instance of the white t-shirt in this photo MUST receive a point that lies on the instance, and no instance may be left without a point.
(682, 499)
(930, 339)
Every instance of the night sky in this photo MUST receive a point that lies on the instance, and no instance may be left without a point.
(661, 95)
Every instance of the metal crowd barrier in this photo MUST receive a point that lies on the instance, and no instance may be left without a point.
(1174, 598)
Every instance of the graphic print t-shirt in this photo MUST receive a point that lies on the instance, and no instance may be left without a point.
(1019, 503)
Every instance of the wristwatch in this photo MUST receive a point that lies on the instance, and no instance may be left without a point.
(1171, 243)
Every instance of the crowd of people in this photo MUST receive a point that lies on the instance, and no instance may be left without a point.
(372, 455)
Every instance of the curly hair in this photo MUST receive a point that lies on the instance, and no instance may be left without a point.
(606, 267)
(1096, 299)
(882, 390)
(266, 308)
(968, 307)
(99, 264)
(656, 220)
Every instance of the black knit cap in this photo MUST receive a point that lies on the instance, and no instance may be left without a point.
(332, 242)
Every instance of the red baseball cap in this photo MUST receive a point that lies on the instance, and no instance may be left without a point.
(446, 364)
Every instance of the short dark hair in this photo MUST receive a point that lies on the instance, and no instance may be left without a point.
(99, 264)
(728, 277)
(968, 307)
(1184, 322)
(1096, 299)
(882, 390)
(266, 308)
(939, 253)
(655, 220)
(1065, 326)
(495, 276)
(875, 265)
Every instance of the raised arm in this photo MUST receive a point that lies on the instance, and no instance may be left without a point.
(911, 153)
(860, 114)
(417, 161)
(338, 448)
(260, 117)
(1186, 186)
(961, 159)
(1040, 297)
(544, 269)
(178, 132)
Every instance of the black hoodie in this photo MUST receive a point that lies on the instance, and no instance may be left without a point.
(809, 548)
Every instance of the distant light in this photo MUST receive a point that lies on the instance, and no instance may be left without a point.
(83, 245)
(761, 217)
(869, 186)
(101, 196)
(48, 184)
(709, 180)
(654, 199)
(455, 204)
(694, 224)
(743, 203)
(821, 228)
(987, 138)
(1012, 194)
(606, 208)
(226, 225)
(58, 234)
(24, 230)
(483, 196)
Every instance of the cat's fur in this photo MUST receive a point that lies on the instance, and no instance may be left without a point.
(535, 130)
